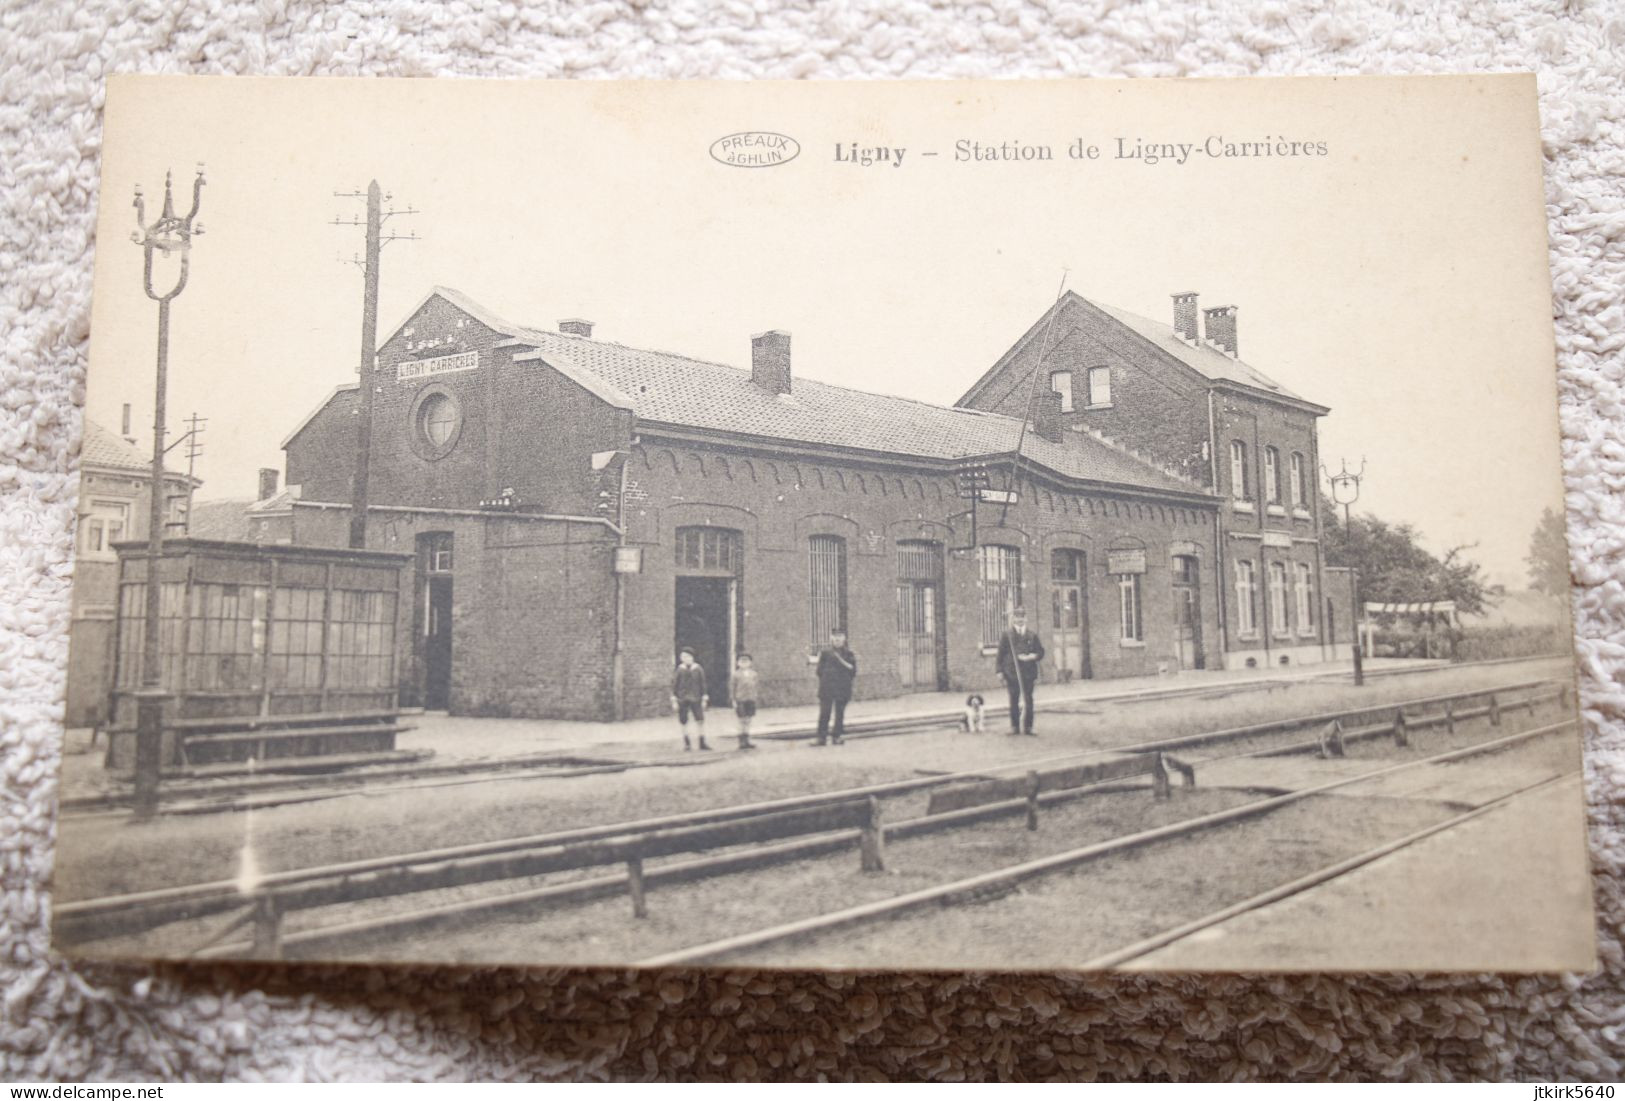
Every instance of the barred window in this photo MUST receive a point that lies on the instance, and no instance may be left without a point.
(826, 569)
(361, 639)
(704, 548)
(1001, 588)
(297, 620)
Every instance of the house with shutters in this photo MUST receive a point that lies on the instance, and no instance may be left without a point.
(1179, 392)
(579, 509)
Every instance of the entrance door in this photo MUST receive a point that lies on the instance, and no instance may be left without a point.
(1187, 612)
(437, 645)
(1069, 620)
(922, 659)
(705, 624)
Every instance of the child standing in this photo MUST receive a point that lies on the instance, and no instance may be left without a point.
(745, 688)
(688, 696)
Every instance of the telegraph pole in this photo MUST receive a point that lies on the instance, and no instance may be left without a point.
(367, 369)
(194, 448)
(1345, 491)
(170, 235)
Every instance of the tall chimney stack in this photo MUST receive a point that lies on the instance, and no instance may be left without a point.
(770, 361)
(1185, 316)
(268, 476)
(575, 326)
(1047, 417)
(1221, 328)
(125, 431)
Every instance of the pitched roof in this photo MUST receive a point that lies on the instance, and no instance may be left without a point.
(1203, 358)
(665, 388)
(105, 448)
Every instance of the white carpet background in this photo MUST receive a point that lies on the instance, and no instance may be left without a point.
(75, 1023)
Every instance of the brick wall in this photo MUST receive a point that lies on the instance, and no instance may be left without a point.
(778, 503)
(1157, 407)
(1261, 534)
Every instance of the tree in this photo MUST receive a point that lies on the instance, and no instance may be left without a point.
(1396, 569)
(1548, 557)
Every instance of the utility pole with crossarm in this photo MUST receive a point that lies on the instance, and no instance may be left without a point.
(376, 239)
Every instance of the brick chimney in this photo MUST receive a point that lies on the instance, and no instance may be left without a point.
(575, 326)
(125, 429)
(1185, 319)
(770, 361)
(1221, 328)
(1047, 417)
(268, 476)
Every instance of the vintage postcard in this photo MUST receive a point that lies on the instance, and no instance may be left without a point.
(936, 525)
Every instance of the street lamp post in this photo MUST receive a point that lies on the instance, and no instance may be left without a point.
(172, 236)
(1345, 491)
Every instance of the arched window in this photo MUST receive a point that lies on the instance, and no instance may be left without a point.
(1272, 476)
(1246, 598)
(1299, 488)
(1306, 598)
(826, 573)
(1001, 588)
(1238, 471)
(1278, 615)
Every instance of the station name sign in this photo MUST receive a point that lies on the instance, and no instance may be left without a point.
(439, 365)
(1125, 561)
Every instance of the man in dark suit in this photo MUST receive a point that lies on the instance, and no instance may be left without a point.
(837, 669)
(1020, 651)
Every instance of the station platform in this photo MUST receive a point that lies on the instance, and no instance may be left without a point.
(468, 738)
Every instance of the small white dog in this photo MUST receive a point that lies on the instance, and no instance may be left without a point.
(973, 714)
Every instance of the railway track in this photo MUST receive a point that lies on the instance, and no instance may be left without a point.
(206, 797)
(341, 890)
(1002, 881)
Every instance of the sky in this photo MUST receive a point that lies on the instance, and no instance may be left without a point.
(1400, 277)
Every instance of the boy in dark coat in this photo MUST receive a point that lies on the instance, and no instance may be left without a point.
(837, 668)
(1020, 651)
(688, 696)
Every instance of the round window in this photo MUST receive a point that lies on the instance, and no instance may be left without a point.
(437, 421)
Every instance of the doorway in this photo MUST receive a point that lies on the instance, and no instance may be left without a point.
(433, 618)
(1187, 612)
(705, 614)
(437, 645)
(1069, 613)
(922, 655)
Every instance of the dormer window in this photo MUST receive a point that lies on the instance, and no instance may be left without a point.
(1061, 383)
(1100, 387)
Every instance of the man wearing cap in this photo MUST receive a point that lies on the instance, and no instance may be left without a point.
(1020, 651)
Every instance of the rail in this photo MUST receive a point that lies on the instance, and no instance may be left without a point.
(277, 894)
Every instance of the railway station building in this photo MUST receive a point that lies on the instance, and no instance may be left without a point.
(577, 510)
